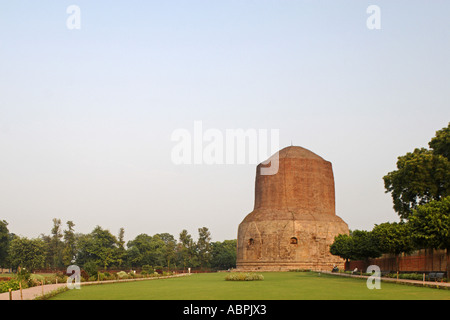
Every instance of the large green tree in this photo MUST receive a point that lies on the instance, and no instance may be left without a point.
(56, 245)
(204, 247)
(358, 245)
(430, 226)
(365, 245)
(27, 253)
(146, 250)
(393, 238)
(342, 247)
(187, 250)
(69, 249)
(99, 247)
(421, 176)
(223, 254)
(169, 250)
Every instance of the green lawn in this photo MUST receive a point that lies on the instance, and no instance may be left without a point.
(275, 286)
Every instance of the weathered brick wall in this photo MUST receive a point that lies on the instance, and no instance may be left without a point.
(424, 260)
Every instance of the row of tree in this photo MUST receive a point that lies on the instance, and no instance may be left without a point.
(100, 249)
(428, 227)
(420, 189)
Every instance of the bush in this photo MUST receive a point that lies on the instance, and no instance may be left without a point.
(24, 275)
(91, 268)
(12, 284)
(244, 277)
(122, 275)
(61, 277)
(407, 276)
(147, 269)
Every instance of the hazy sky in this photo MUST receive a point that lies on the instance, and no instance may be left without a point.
(86, 115)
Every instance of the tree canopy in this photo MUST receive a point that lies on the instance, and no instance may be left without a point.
(430, 224)
(100, 249)
(421, 176)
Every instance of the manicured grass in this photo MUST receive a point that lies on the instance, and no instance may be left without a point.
(275, 286)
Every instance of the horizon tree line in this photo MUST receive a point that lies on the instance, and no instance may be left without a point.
(102, 250)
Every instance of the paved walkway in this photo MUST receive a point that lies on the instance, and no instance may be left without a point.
(34, 292)
(434, 284)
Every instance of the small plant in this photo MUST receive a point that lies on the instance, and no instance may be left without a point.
(243, 277)
(122, 275)
(12, 284)
(147, 269)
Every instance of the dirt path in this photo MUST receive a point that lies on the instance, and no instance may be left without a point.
(34, 292)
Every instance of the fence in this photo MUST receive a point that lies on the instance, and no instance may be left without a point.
(424, 260)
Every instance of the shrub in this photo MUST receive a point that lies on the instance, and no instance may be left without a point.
(122, 275)
(61, 277)
(24, 275)
(244, 277)
(91, 268)
(300, 270)
(147, 269)
(12, 284)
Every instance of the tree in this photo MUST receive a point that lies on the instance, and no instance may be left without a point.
(365, 245)
(421, 176)
(99, 247)
(146, 250)
(121, 251)
(204, 246)
(56, 245)
(430, 226)
(69, 251)
(342, 247)
(441, 142)
(393, 238)
(27, 253)
(169, 249)
(223, 254)
(358, 245)
(186, 250)
(4, 243)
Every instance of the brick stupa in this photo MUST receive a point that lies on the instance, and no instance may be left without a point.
(294, 221)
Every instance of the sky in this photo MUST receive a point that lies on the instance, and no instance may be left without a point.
(87, 114)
